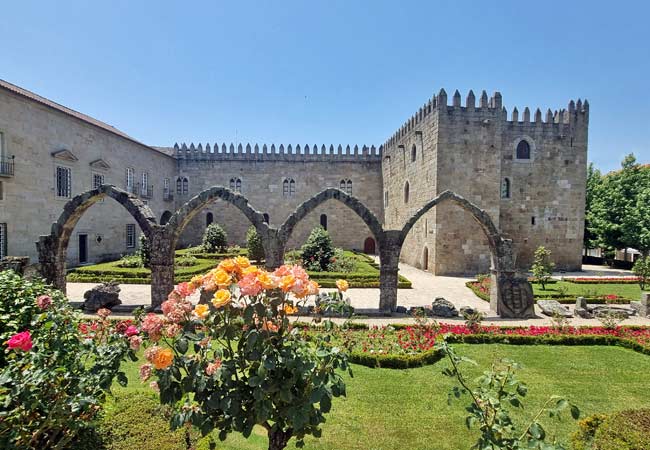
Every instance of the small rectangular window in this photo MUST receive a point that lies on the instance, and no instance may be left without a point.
(98, 180)
(532, 220)
(63, 182)
(3, 240)
(130, 235)
(129, 179)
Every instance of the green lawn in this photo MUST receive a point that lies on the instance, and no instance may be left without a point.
(407, 409)
(631, 290)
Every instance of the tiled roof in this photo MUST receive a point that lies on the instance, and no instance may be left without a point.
(71, 112)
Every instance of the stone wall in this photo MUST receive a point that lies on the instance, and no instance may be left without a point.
(42, 138)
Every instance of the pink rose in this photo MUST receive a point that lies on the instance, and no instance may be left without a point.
(22, 341)
(212, 368)
(44, 301)
(145, 372)
(135, 342)
(103, 312)
(131, 330)
(154, 385)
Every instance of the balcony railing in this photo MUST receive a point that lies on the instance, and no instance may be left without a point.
(7, 166)
(168, 195)
(144, 190)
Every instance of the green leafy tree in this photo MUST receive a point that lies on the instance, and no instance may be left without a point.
(542, 267)
(642, 270)
(254, 244)
(492, 396)
(318, 251)
(215, 239)
(594, 179)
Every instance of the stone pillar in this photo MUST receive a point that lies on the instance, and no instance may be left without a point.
(162, 267)
(390, 246)
(642, 307)
(273, 249)
(511, 295)
(52, 263)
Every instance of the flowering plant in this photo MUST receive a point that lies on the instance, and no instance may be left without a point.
(56, 368)
(237, 362)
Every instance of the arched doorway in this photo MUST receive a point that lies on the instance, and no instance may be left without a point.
(425, 258)
(165, 217)
(369, 246)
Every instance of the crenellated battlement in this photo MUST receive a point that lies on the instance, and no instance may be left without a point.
(493, 107)
(281, 153)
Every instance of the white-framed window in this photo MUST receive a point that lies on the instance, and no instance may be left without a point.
(98, 180)
(130, 179)
(63, 182)
(166, 186)
(145, 183)
(288, 187)
(3, 240)
(130, 235)
(235, 184)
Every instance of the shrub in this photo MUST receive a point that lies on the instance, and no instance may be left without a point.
(236, 363)
(57, 369)
(342, 263)
(254, 244)
(317, 252)
(215, 239)
(542, 268)
(186, 261)
(642, 270)
(144, 252)
(625, 430)
(130, 262)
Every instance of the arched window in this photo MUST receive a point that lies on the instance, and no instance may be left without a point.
(209, 218)
(505, 188)
(349, 187)
(266, 218)
(414, 153)
(235, 184)
(179, 186)
(165, 217)
(342, 185)
(186, 186)
(406, 192)
(523, 150)
(288, 187)
(346, 186)
(182, 185)
(323, 221)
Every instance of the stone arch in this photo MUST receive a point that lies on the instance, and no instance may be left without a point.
(52, 248)
(284, 233)
(191, 208)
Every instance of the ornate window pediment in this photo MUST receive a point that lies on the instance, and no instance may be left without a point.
(100, 164)
(65, 155)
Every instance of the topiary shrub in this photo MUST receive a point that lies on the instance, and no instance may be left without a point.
(318, 251)
(144, 252)
(254, 243)
(625, 430)
(215, 239)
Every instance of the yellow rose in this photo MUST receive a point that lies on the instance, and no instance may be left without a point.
(266, 280)
(201, 311)
(222, 278)
(163, 358)
(249, 269)
(342, 285)
(221, 298)
(288, 309)
(242, 262)
(287, 282)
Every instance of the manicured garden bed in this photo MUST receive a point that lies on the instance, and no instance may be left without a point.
(364, 275)
(388, 409)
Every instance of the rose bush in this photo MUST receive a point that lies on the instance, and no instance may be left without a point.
(238, 362)
(56, 368)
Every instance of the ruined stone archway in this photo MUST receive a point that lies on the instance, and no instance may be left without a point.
(52, 248)
(361, 210)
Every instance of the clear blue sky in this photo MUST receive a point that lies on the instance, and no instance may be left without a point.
(329, 72)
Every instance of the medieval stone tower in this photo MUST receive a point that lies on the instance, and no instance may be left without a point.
(528, 173)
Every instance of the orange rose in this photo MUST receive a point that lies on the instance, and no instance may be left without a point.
(342, 285)
(288, 309)
(249, 269)
(270, 326)
(228, 265)
(266, 280)
(221, 298)
(163, 358)
(221, 278)
(287, 282)
(201, 311)
(242, 262)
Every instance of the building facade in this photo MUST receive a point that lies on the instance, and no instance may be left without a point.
(528, 174)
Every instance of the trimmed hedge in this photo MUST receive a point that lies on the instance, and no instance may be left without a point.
(624, 430)
(601, 281)
(563, 299)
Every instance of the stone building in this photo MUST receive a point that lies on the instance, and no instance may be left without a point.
(529, 175)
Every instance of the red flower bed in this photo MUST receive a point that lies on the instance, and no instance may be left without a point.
(602, 280)
(417, 338)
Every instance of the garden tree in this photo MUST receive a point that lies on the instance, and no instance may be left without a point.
(254, 244)
(215, 239)
(642, 270)
(542, 267)
(594, 178)
(238, 362)
(617, 214)
(318, 251)
(495, 392)
(144, 252)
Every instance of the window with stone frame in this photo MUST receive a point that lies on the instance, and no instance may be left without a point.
(209, 219)
(182, 185)
(186, 186)
(235, 184)
(63, 182)
(166, 192)
(130, 180)
(3, 240)
(523, 150)
(288, 187)
(505, 188)
(130, 235)
(179, 186)
(414, 153)
(346, 186)
(145, 184)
